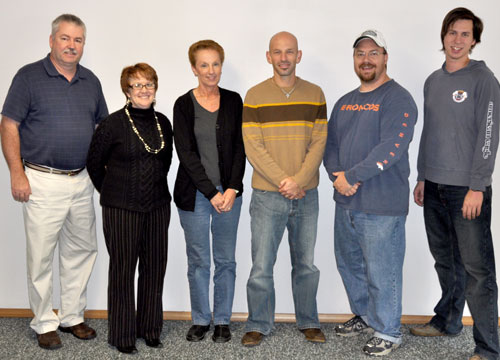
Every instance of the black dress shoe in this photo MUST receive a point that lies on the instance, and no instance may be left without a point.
(127, 349)
(221, 334)
(155, 343)
(197, 332)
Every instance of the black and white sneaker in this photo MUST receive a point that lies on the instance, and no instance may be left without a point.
(379, 347)
(353, 327)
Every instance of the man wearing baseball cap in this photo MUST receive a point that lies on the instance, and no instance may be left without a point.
(366, 158)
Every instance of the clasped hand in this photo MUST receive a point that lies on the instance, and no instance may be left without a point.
(290, 189)
(223, 202)
(342, 185)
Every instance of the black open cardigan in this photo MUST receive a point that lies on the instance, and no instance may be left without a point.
(191, 175)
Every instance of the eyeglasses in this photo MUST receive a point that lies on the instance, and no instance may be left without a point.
(139, 86)
(371, 55)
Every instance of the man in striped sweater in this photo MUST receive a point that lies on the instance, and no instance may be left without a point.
(284, 131)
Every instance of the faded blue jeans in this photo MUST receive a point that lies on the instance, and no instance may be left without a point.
(370, 251)
(197, 226)
(465, 264)
(270, 214)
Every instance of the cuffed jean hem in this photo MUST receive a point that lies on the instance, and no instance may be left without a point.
(309, 326)
(198, 323)
(221, 323)
(265, 333)
(395, 340)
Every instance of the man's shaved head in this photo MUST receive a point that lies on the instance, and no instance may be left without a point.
(283, 35)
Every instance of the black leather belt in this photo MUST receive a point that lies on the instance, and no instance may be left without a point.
(50, 170)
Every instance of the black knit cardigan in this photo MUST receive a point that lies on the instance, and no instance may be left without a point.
(122, 171)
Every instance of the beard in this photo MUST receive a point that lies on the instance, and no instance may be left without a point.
(368, 77)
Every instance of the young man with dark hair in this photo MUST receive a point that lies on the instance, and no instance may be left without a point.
(455, 165)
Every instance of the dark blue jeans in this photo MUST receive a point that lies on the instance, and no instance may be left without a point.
(465, 264)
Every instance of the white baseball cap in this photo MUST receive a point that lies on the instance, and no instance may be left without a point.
(375, 35)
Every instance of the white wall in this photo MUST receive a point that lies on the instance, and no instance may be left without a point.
(158, 32)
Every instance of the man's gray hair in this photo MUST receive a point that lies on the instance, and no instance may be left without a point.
(70, 19)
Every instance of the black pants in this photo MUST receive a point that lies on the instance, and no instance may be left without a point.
(132, 236)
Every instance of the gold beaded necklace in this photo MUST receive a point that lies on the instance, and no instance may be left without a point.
(148, 148)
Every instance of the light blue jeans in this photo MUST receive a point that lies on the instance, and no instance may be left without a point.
(197, 225)
(370, 250)
(270, 214)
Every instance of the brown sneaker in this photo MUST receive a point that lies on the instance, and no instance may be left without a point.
(82, 331)
(314, 335)
(49, 340)
(426, 330)
(252, 338)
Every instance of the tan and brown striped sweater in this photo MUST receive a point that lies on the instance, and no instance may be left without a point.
(284, 136)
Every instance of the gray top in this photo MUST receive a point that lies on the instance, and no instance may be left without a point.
(204, 132)
(460, 136)
(57, 117)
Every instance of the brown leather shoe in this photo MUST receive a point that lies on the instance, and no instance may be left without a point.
(426, 330)
(252, 338)
(49, 340)
(314, 335)
(82, 331)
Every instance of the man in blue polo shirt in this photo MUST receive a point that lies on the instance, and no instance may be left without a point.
(48, 119)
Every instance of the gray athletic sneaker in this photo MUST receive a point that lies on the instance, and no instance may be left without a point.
(379, 347)
(353, 327)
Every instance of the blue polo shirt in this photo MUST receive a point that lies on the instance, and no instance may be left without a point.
(57, 117)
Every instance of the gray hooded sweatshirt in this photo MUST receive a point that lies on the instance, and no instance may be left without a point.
(460, 137)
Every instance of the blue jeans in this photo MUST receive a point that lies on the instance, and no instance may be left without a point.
(270, 214)
(370, 251)
(197, 225)
(465, 264)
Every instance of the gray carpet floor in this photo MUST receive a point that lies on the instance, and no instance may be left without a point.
(18, 341)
